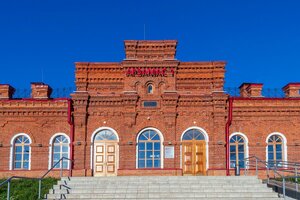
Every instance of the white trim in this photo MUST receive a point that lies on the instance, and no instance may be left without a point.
(92, 145)
(206, 142)
(284, 143)
(161, 137)
(50, 148)
(246, 143)
(12, 141)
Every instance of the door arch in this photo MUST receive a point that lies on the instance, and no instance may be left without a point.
(194, 148)
(105, 152)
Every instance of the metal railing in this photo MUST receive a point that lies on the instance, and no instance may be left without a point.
(266, 92)
(8, 181)
(56, 92)
(275, 170)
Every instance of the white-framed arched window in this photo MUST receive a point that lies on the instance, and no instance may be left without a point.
(238, 149)
(150, 89)
(20, 152)
(276, 150)
(150, 148)
(59, 147)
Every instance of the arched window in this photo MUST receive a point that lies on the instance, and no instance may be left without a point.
(275, 149)
(149, 149)
(105, 135)
(21, 152)
(60, 148)
(193, 134)
(150, 89)
(237, 151)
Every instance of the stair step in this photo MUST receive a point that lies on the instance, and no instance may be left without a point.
(161, 182)
(199, 198)
(138, 179)
(113, 191)
(167, 195)
(162, 187)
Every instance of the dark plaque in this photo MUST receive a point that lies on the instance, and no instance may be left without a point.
(150, 104)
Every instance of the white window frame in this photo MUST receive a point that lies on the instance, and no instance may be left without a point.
(12, 151)
(246, 143)
(50, 159)
(284, 143)
(161, 137)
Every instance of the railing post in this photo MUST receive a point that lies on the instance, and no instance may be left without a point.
(268, 173)
(296, 177)
(70, 167)
(8, 190)
(245, 166)
(283, 187)
(61, 167)
(40, 188)
(256, 168)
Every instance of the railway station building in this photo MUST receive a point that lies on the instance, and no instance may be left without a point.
(149, 114)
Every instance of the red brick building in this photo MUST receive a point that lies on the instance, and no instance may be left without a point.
(149, 114)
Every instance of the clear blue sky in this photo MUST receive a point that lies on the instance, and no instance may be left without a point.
(259, 39)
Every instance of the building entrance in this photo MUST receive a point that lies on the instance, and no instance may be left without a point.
(193, 157)
(105, 159)
(193, 153)
(105, 154)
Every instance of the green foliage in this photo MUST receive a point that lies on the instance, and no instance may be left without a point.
(292, 180)
(26, 189)
(288, 179)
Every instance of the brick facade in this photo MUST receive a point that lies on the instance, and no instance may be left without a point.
(114, 95)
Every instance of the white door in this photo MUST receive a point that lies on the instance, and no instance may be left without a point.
(105, 159)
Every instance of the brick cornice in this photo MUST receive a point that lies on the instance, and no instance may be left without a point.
(161, 63)
(33, 104)
(31, 112)
(34, 108)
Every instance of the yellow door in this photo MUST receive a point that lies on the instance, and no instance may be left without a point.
(194, 157)
(105, 159)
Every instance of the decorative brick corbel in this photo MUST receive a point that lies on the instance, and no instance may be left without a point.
(130, 119)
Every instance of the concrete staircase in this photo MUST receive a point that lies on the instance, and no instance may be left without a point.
(161, 187)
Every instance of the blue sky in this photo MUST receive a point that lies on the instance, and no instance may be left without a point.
(41, 40)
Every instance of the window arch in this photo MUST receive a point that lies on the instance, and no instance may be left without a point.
(238, 149)
(276, 148)
(59, 147)
(20, 152)
(150, 149)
